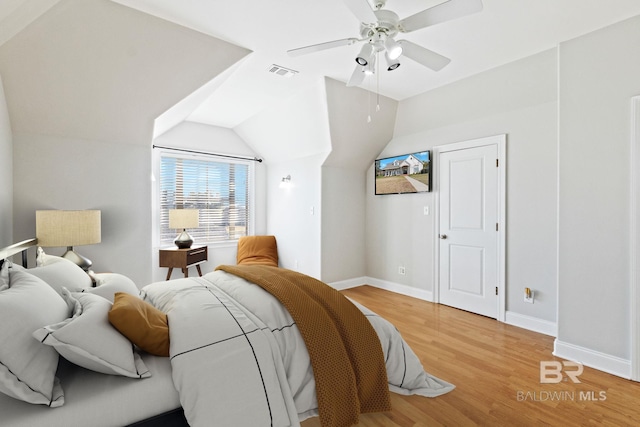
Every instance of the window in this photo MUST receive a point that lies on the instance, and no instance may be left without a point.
(219, 188)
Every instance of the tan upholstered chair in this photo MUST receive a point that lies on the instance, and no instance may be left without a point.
(257, 250)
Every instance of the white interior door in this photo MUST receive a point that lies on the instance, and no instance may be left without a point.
(469, 235)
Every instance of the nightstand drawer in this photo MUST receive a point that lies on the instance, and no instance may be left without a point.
(196, 255)
(183, 259)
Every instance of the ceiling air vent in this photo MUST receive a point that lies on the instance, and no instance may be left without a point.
(281, 71)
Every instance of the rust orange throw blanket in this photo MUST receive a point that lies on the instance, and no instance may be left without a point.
(347, 359)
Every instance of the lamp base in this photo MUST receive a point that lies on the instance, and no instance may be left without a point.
(184, 240)
(82, 262)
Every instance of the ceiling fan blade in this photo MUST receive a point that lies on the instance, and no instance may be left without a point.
(362, 10)
(447, 11)
(423, 56)
(357, 77)
(321, 46)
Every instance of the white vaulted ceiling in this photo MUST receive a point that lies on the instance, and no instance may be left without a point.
(506, 30)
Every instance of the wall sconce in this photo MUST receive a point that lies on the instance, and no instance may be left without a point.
(56, 228)
(184, 218)
(285, 182)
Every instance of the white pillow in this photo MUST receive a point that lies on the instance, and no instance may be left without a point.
(87, 339)
(40, 257)
(60, 273)
(4, 275)
(107, 284)
(27, 368)
(43, 258)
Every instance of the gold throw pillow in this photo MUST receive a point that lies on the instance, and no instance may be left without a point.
(143, 324)
(257, 250)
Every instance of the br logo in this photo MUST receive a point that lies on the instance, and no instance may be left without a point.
(554, 371)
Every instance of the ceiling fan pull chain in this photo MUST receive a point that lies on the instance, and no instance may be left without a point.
(369, 106)
(378, 84)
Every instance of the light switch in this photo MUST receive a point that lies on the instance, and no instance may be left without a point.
(426, 210)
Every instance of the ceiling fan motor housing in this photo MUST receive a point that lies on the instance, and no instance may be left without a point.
(378, 32)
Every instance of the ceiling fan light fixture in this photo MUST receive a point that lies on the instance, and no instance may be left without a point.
(393, 48)
(392, 64)
(366, 55)
(370, 69)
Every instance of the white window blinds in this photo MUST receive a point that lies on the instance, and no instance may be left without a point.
(219, 189)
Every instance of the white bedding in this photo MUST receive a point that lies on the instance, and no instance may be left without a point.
(98, 400)
(238, 358)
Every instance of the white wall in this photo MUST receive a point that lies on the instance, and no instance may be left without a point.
(294, 214)
(6, 173)
(84, 174)
(355, 142)
(598, 76)
(398, 234)
(343, 224)
(212, 139)
(518, 99)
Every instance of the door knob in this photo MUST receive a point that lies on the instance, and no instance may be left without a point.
(443, 236)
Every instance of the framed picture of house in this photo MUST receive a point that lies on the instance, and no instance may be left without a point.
(409, 173)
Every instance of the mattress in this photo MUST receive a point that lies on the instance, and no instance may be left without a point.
(99, 400)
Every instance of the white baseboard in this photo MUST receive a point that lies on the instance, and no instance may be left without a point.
(409, 291)
(531, 323)
(592, 358)
(349, 283)
(383, 284)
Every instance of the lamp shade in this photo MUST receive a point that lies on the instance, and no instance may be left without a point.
(184, 218)
(56, 228)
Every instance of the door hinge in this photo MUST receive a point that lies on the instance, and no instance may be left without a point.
(496, 290)
(497, 163)
(496, 226)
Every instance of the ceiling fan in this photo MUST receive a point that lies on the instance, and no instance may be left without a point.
(379, 27)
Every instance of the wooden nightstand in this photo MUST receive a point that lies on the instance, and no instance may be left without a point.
(183, 259)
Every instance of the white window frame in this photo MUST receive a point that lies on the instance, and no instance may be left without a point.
(184, 153)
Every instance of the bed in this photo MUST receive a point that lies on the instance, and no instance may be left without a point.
(239, 353)
(93, 398)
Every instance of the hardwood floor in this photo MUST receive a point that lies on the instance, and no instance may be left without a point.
(496, 370)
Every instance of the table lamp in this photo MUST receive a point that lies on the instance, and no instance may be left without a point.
(55, 228)
(184, 218)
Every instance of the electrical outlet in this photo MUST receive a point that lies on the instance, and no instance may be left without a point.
(528, 295)
(401, 271)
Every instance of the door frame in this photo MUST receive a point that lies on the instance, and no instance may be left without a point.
(634, 266)
(501, 142)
